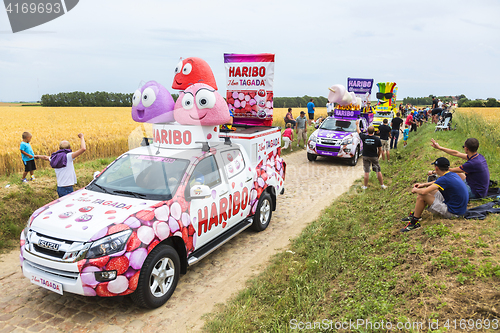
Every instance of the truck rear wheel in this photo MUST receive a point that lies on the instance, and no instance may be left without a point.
(263, 212)
(158, 278)
(354, 159)
(311, 157)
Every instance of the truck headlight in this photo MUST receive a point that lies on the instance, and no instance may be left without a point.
(346, 141)
(109, 245)
(313, 138)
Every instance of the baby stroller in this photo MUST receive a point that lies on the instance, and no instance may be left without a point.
(445, 120)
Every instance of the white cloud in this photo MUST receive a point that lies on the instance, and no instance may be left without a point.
(427, 47)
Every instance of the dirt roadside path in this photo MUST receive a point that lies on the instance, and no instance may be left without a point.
(310, 187)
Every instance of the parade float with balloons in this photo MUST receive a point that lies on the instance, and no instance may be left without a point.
(386, 105)
(337, 136)
(161, 207)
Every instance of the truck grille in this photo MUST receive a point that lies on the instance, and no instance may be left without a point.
(331, 142)
(47, 252)
(332, 149)
(64, 251)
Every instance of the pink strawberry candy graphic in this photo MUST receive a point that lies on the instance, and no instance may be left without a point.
(133, 242)
(102, 290)
(117, 228)
(99, 262)
(120, 264)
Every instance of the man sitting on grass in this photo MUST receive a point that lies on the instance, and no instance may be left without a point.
(447, 196)
(474, 172)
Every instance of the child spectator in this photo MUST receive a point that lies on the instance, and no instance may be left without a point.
(288, 136)
(28, 157)
(406, 132)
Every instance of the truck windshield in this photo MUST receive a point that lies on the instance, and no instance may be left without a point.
(339, 125)
(142, 176)
(382, 114)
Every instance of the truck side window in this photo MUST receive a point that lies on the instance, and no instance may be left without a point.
(233, 162)
(205, 173)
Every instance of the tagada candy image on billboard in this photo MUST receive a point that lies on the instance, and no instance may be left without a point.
(152, 104)
(250, 82)
(193, 70)
(25, 15)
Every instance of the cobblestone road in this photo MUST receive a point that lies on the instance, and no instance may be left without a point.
(309, 188)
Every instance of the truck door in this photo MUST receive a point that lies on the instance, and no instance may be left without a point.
(207, 213)
(240, 179)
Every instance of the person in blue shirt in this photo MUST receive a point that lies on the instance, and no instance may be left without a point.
(28, 157)
(310, 110)
(447, 196)
(406, 133)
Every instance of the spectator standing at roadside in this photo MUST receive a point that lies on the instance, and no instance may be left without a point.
(301, 128)
(289, 118)
(396, 127)
(474, 172)
(372, 148)
(434, 103)
(384, 132)
(446, 196)
(409, 120)
(62, 163)
(310, 110)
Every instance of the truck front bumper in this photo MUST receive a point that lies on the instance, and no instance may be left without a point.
(64, 273)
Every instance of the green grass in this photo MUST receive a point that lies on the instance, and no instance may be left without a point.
(20, 200)
(310, 130)
(353, 262)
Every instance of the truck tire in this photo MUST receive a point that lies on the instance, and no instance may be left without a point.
(263, 213)
(354, 159)
(311, 157)
(158, 278)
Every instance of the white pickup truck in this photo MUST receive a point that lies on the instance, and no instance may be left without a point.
(155, 211)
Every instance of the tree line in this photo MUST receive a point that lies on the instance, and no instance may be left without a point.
(298, 102)
(461, 100)
(102, 98)
(79, 98)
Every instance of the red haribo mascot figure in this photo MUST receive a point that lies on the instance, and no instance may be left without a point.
(193, 70)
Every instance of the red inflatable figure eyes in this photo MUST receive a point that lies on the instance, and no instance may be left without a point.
(191, 71)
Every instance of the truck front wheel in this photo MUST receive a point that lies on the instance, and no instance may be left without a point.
(263, 212)
(311, 157)
(158, 278)
(354, 159)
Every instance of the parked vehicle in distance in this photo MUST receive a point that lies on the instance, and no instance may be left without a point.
(337, 136)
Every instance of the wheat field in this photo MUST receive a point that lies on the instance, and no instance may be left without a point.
(107, 132)
(488, 114)
(279, 114)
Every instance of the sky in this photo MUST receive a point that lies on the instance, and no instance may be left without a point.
(427, 47)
